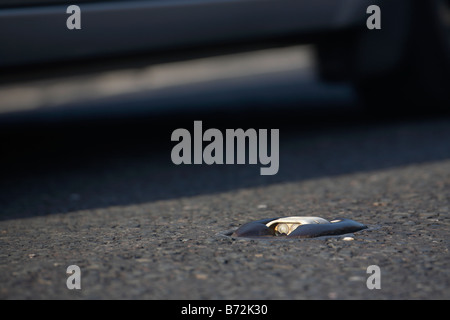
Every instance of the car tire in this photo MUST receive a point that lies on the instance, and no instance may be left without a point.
(421, 80)
(405, 66)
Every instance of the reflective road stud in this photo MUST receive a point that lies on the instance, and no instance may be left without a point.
(297, 227)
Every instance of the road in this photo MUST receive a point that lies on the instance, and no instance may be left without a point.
(104, 195)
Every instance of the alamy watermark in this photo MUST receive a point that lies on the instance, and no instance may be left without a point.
(229, 150)
(74, 20)
(374, 280)
(374, 20)
(74, 280)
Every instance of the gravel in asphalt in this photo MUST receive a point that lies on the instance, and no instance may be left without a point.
(141, 228)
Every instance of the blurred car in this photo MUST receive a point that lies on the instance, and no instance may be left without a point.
(406, 60)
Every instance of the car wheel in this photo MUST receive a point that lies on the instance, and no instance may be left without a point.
(405, 66)
(421, 80)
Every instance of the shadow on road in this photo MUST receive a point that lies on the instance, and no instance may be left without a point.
(59, 167)
(104, 139)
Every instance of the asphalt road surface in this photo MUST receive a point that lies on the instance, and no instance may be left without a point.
(105, 196)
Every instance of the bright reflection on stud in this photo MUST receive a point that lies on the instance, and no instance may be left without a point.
(297, 227)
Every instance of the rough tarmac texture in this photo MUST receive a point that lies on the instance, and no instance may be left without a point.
(141, 228)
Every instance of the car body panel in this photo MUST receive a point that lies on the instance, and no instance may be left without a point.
(37, 34)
